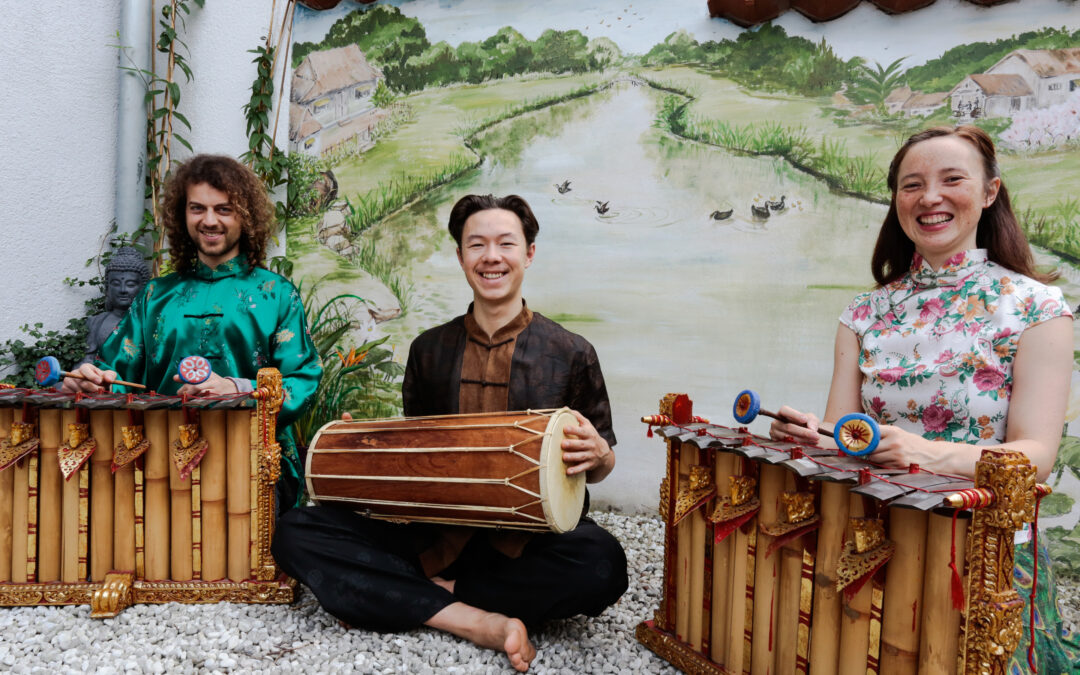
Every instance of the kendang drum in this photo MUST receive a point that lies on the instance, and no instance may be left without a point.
(488, 469)
(780, 558)
(114, 499)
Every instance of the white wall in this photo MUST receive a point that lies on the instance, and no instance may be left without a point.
(58, 130)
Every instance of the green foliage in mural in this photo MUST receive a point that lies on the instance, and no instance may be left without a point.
(1056, 504)
(1064, 547)
(946, 71)
(398, 45)
(767, 58)
(873, 85)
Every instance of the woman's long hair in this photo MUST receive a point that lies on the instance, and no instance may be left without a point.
(998, 230)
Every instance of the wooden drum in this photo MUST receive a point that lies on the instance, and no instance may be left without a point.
(488, 469)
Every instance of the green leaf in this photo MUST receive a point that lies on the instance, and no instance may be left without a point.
(1056, 504)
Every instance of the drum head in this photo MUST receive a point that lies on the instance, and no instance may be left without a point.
(563, 495)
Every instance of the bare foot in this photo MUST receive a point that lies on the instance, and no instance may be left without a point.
(517, 646)
(487, 629)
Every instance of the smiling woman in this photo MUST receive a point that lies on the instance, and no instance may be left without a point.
(961, 345)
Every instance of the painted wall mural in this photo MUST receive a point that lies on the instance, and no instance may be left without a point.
(708, 196)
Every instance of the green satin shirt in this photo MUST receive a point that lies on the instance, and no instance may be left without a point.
(240, 319)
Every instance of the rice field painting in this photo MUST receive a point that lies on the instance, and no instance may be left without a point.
(708, 196)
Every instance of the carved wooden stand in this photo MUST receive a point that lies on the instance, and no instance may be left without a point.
(266, 583)
(1002, 501)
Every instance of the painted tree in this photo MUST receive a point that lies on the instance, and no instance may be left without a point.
(873, 85)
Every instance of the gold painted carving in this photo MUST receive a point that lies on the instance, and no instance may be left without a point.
(76, 449)
(865, 550)
(21, 441)
(667, 404)
(113, 596)
(867, 533)
(701, 477)
(131, 445)
(992, 624)
(678, 654)
(743, 489)
(188, 450)
(797, 506)
(796, 512)
(270, 398)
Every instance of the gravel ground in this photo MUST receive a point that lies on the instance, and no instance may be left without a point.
(302, 638)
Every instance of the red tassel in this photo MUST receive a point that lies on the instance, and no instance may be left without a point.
(1034, 584)
(957, 584)
(648, 431)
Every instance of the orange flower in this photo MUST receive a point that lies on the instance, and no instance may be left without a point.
(986, 432)
(975, 307)
(352, 359)
(911, 405)
(1002, 350)
(984, 420)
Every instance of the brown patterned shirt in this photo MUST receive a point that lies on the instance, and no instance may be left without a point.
(485, 365)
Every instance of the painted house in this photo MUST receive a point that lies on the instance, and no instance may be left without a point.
(1051, 73)
(991, 95)
(924, 105)
(331, 100)
(913, 103)
(894, 102)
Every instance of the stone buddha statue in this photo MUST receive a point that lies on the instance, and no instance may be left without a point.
(125, 275)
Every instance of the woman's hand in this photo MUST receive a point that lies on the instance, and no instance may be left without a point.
(899, 449)
(802, 427)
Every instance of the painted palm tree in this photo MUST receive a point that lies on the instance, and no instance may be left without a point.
(873, 85)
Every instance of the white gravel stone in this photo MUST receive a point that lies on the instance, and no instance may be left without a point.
(302, 638)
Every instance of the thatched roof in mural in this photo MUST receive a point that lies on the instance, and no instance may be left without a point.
(330, 70)
(926, 100)
(1047, 62)
(1001, 85)
(752, 12)
(301, 122)
(898, 95)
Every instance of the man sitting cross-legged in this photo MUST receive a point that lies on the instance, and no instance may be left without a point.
(488, 586)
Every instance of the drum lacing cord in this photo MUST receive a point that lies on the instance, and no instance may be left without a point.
(513, 510)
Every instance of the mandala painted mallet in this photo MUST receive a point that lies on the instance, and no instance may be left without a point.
(856, 434)
(193, 369)
(47, 373)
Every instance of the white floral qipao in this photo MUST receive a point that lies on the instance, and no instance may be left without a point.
(937, 348)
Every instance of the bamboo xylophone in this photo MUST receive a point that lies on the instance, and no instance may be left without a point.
(784, 559)
(116, 499)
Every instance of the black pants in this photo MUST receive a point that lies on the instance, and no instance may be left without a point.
(367, 572)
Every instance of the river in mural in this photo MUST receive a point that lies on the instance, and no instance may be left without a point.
(672, 298)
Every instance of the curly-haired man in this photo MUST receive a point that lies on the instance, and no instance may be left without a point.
(219, 302)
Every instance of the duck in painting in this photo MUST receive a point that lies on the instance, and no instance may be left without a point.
(721, 215)
(777, 206)
(563, 187)
(601, 207)
(759, 212)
